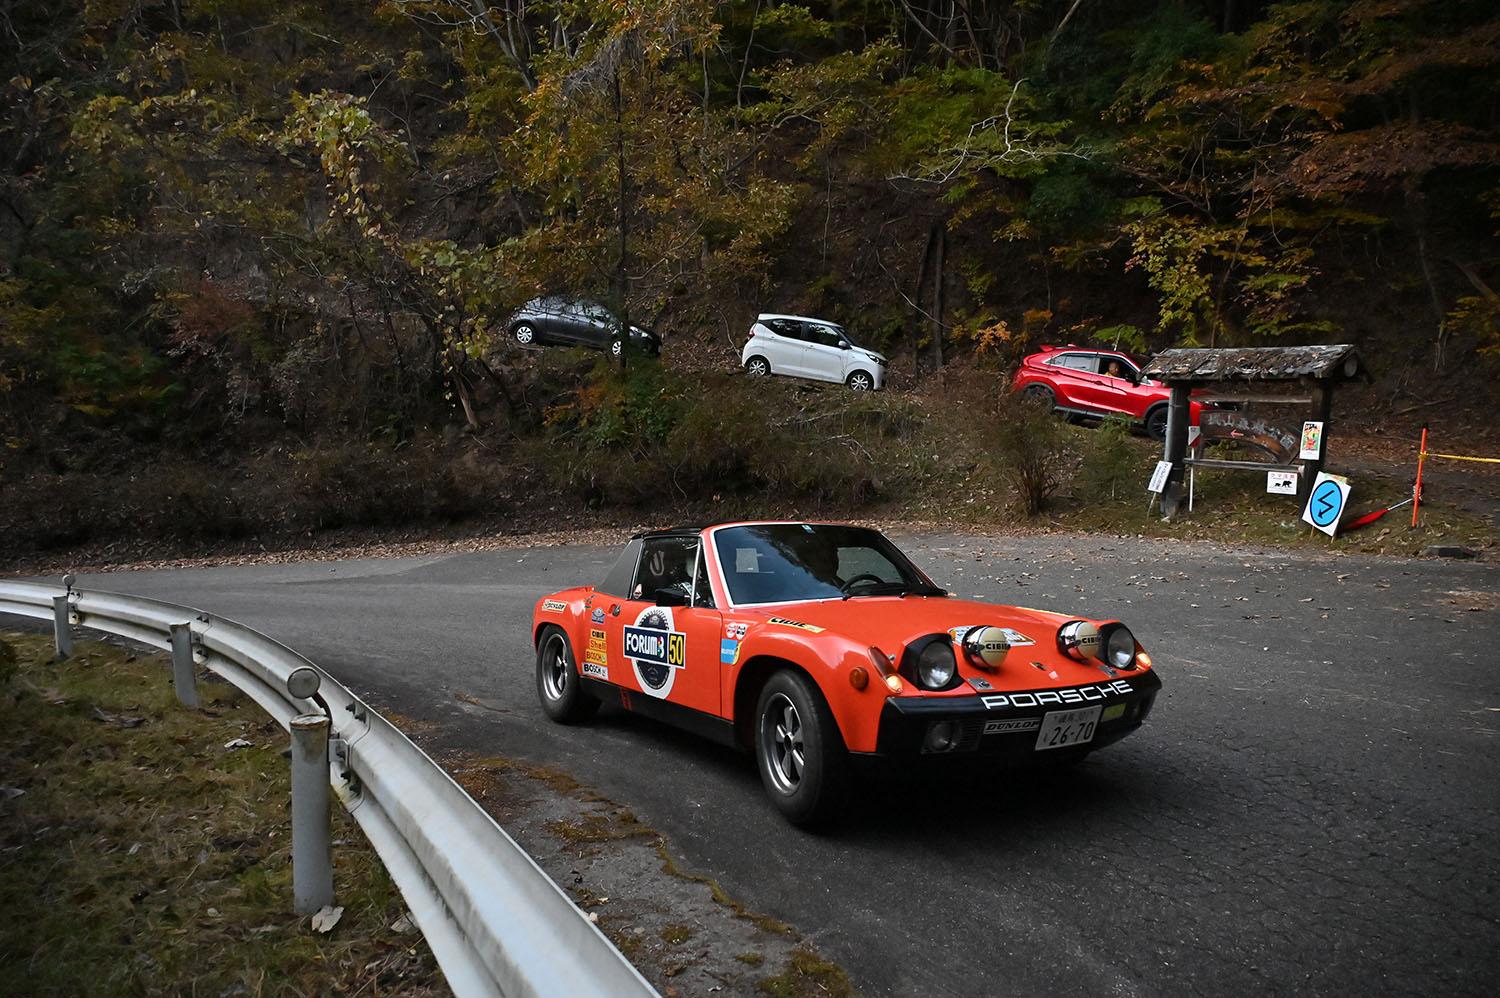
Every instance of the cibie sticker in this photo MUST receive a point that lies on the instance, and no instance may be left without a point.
(782, 621)
(553, 606)
(1013, 637)
(655, 650)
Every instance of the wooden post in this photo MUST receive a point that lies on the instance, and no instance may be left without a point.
(1322, 396)
(1174, 448)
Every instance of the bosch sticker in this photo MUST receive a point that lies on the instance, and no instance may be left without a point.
(596, 656)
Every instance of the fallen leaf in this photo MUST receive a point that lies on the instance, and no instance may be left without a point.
(239, 743)
(326, 918)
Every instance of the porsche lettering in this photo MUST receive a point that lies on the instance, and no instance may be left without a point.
(1041, 698)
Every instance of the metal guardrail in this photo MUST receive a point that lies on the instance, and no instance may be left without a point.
(496, 922)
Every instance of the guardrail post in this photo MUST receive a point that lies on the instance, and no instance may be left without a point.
(62, 630)
(312, 854)
(183, 667)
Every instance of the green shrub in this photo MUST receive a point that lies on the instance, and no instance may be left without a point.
(1110, 462)
(1030, 444)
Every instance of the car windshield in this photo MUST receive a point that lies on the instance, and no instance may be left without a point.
(785, 562)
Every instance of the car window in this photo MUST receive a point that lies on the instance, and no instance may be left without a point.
(1117, 367)
(783, 562)
(666, 564)
(857, 561)
(703, 590)
(1078, 362)
(823, 335)
(617, 582)
(786, 327)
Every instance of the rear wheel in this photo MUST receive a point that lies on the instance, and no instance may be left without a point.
(860, 381)
(616, 347)
(524, 334)
(1156, 423)
(1039, 395)
(758, 367)
(557, 682)
(801, 756)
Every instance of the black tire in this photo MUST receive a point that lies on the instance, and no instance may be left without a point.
(524, 333)
(800, 754)
(861, 381)
(1156, 423)
(758, 366)
(558, 685)
(1039, 395)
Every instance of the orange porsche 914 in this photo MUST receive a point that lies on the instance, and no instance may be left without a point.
(813, 644)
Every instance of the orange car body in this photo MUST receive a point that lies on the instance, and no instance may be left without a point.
(702, 666)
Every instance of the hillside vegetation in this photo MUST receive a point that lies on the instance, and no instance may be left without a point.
(257, 256)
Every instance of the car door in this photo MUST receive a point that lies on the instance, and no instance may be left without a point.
(788, 348)
(1113, 391)
(549, 319)
(662, 640)
(823, 359)
(595, 326)
(1075, 379)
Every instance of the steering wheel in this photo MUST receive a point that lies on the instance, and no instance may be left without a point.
(861, 577)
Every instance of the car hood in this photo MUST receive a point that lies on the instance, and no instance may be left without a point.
(871, 354)
(889, 622)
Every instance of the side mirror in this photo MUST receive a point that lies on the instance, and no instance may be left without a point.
(843, 344)
(669, 597)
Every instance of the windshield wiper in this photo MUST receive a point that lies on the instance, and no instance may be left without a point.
(864, 588)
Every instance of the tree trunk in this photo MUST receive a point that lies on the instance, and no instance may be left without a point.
(622, 279)
(940, 250)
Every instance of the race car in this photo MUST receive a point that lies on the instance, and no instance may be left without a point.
(817, 645)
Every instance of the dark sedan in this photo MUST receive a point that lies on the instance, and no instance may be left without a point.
(578, 323)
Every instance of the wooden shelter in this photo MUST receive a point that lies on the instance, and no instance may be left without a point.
(1317, 369)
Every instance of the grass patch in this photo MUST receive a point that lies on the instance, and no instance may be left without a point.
(809, 974)
(676, 935)
(763, 922)
(143, 857)
(608, 827)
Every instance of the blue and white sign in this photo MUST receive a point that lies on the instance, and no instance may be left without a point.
(1326, 502)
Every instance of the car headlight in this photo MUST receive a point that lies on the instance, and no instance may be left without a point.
(936, 665)
(1078, 639)
(1119, 648)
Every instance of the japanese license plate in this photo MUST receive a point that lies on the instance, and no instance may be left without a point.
(1061, 728)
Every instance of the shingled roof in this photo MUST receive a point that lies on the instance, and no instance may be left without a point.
(1332, 361)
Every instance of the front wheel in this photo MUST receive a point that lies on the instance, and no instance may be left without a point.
(557, 682)
(860, 381)
(616, 347)
(801, 756)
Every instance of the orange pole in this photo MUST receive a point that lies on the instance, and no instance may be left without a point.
(1416, 492)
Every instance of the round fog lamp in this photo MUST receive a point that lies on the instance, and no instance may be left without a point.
(986, 647)
(941, 737)
(1078, 639)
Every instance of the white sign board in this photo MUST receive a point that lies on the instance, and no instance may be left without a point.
(1326, 502)
(1281, 483)
(1312, 441)
(1159, 477)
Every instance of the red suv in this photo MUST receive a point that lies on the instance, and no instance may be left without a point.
(1097, 383)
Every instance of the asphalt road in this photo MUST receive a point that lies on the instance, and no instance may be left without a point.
(1311, 809)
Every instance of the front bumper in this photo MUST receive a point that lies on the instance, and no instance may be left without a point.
(1004, 725)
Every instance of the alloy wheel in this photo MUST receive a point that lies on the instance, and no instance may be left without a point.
(781, 743)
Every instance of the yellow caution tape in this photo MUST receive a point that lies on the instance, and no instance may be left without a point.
(1461, 457)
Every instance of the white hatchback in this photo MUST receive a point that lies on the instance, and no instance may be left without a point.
(800, 347)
